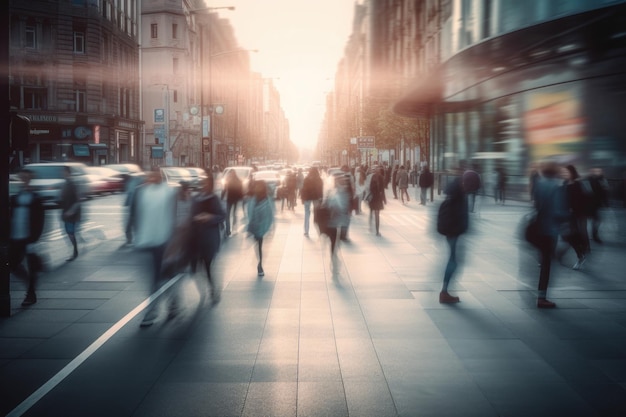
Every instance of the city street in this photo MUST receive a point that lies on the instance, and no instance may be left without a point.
(363, 337)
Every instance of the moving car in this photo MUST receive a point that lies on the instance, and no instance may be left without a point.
(271, 178)
(198, 175)
(105, 180)
(50, 177)
(175, 175)
(243, 172)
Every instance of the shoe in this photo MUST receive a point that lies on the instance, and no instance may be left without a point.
(71, 258)
(579, 263)
(306, 235)
(30, 299)
(446, 298)
(543, 303)
(147, 321)
(260, 271)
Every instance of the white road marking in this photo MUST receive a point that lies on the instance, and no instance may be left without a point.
(85, 354)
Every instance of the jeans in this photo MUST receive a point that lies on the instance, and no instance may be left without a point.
(307, 215)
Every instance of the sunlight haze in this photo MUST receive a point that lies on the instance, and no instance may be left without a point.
(300, 44)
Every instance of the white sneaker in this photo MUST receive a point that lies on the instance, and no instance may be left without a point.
(579, 263)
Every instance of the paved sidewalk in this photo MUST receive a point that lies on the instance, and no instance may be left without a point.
(366, 337)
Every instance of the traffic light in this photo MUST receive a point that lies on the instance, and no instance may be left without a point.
(20, 132)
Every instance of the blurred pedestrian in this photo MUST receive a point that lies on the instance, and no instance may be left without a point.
(575, 232)
(550, 203)
(312, 193)
(207, 213)
(500, 179)
(377, 198)
(402, 179)
(426, 180)
(131, 184)
(27, 222)
(600, 198)
(394, 179)
(360, 176)
(291, 184)
(533, 176)
(233, 191)
(154, 214)
(299, 182)
(260, 218)
(70, 210)
(345, 184)
(452, 222)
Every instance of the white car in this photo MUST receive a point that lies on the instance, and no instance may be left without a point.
(49, 179)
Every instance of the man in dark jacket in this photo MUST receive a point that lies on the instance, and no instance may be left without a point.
(70, 210)
(311, 193)
(27, 221)
(426, 181)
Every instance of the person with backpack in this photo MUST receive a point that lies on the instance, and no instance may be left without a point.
(376, 197)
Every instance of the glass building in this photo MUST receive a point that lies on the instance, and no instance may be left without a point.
(520, 82)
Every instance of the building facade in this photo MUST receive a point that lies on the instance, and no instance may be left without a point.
(74, 74)
(517, 83)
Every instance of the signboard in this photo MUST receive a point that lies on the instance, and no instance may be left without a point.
(366, 142)
(159, 116)
(159, 133)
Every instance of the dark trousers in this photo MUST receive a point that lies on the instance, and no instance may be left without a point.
(547, 245)
(17, 253)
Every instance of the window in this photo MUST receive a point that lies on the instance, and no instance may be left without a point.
(35, 98)
(31, 37)
(174, 31)
(175, 96)
(79, 42)
(154, 31)
(175, 65)
(81, 101)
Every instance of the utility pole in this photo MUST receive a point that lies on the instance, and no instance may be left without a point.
(5, 120)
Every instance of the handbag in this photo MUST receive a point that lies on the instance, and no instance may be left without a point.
(532, 231)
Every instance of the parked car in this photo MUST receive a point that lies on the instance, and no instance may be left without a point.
(271, 178)
(174, 175)
(128, 171)
(243, 172)
(15, 184)
(105, 180)
(50, 177)
(198, 176)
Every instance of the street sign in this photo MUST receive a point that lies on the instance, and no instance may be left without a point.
(159, 133)
(366, 142)
(159, 115)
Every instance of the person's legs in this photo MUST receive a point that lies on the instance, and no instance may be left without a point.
(307, 216)
(70, 229)
(444, 297)
(260, 265)
(422, 196)
(229, 208)
(377, 221)
(234, 222)
(546, 249)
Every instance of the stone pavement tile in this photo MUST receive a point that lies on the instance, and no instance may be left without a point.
(202, 370)
(452, 398)
(277, 370)
(496, 349)
(537, 398)
(369, 398)
(271, 399)
(469, 324)
(180, 399)
(613, 368)
(606, 399)
(322, 398)
(358, 361)
(14, 347)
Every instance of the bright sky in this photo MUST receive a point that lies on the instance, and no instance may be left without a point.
(300, 44)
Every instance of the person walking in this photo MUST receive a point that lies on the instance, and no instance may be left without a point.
(359, 180)
(311, 195)
(154, 216)
(394, 179)
(299, 182)
(426, 180)
(70, 210)
(260, 218)
(207, 213)
(377, 198)
(500, 180)
(599, 198)
(452, 222)
(403, 183)
(27, 221)
(576, 204)
(550, 203)
(233, 191)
